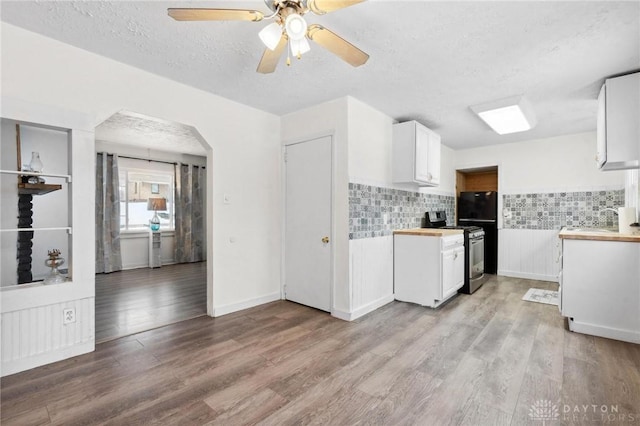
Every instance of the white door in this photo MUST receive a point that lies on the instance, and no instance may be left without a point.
(308, 223)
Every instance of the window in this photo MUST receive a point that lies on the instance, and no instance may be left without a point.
(138, 181)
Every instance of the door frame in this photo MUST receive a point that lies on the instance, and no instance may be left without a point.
(285, 144)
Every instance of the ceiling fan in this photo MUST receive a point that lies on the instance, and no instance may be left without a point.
(288, 29)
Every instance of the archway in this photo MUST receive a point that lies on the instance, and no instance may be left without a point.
(160, 276)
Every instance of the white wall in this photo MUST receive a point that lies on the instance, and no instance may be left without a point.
(559, 164)
(370, 135)
(243, 160)
(370, 152)
(330, 118)
(370, 138)
(370, 259)
(243, 155)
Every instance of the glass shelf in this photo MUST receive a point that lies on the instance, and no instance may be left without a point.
(14, 172)
(60, 228)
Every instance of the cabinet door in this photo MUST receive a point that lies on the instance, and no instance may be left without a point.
(422, 155)
(433, 172)
(601, 154)
(448, 279)
(452, 271)
(458, 268)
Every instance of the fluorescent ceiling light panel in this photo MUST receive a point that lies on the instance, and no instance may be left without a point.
(510, 115)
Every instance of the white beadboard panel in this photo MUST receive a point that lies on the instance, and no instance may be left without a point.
(36, 336)
(528, 253)
(135, 249)
(371, 271)
(362, 311)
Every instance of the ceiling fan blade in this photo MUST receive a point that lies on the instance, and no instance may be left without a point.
(320, 7)
(270, 57)
(214, 14)
(337, 45)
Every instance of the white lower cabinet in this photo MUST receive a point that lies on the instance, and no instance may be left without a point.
(427, 270)
(600, 288)
(452, 271)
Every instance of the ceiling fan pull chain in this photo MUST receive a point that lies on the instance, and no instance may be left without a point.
(288, 52)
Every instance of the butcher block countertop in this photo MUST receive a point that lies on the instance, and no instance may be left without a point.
(428, 232)
(585, 234)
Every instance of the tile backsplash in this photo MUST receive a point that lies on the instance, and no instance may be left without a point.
(368, 206)
(558, 209)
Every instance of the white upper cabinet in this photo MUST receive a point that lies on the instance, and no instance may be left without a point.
(618, 123)
(416, 154)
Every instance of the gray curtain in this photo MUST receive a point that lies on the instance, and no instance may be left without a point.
(189, 207)
(108, 256)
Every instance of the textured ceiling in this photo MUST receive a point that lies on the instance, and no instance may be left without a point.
(429, 60)
(129, 128)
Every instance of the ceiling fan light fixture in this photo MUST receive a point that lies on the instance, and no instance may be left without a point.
(270, 35)
(295, 26)
(299, 47)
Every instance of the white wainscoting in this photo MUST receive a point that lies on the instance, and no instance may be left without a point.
(36, 336)
(134, 247)
(529, 253)
(370, 275)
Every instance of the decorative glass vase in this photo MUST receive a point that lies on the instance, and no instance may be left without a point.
(36, 164)
(155, 222)
(54, 262)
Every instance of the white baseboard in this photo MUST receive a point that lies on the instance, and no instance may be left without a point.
(235, 307)
(363, 310)
(135, 266)
(23, 364)
(165, 262)
(528, 275)
(608, 332)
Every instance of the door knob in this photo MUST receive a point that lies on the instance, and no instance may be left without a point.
(325, 240)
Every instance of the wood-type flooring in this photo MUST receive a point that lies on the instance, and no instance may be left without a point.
(485, 359)
(136, 300)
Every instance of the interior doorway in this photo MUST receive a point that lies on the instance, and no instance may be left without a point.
(151, 237)
(481, 183)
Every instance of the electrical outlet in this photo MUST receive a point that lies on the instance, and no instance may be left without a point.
(68, 316)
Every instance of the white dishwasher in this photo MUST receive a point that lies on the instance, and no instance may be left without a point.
(428, 269)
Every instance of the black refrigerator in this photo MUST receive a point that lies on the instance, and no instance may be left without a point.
(481, 209)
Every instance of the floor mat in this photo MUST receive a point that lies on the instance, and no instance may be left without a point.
(549, 297)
